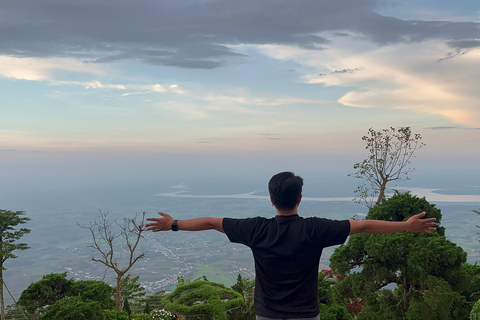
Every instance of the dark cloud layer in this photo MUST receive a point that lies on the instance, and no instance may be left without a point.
(194, 34)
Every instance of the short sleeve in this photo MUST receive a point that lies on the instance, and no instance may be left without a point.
(240, 230)
(331, 232)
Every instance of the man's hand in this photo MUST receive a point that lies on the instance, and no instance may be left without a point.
(413, 224)
(416, 224)
(160, 224)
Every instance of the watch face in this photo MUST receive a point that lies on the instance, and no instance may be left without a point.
(175, 225)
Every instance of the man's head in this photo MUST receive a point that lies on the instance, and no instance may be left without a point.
(285, 190)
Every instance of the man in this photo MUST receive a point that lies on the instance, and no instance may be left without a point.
(287, 248)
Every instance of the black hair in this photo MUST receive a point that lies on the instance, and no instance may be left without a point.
(285, 189)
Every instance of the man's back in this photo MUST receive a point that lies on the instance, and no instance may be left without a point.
(287, 251)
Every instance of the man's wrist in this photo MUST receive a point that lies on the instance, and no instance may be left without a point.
(175, 225)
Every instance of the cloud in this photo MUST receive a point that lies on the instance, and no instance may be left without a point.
(50, 69)
(42, 69)
(200, 34)
(247, 99)
(180, 186)
(156, 88)
(410, 76)
(238, 102)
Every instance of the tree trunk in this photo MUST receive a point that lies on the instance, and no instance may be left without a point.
(118, 295)
(2, 302)
(383, 186)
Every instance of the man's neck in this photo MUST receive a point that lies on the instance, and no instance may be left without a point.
(287, 212)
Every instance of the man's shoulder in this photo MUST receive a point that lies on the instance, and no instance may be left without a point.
(248, 220)
(320, 219)
(319, 222)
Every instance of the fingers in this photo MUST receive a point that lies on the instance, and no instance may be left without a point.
(429, 225)
(159, 224)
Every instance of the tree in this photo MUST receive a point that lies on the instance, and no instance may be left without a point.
(109, 239)
(47, 291)
(147, 309)
(246, 311)
(9, 234)
(475, 313)
(330, 308)
(126, 307)
(390, 153)
(201, 297)
(73, 308)
(94, 290)
(132, 289)
(429, 273)
(154, 302)
(41, 297)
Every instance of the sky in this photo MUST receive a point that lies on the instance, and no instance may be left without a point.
(101, 90)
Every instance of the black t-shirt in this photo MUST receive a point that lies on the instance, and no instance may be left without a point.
(287, 252)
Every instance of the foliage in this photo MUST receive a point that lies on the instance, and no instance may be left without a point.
(246, 310)
(9, 220)
(202, 297)
(109, 238)
(46, 296)
(132, 289)
(48, 290)
(475, 313)
(96, 291)
(330, 309)
(115, 315)
(390, 153)
(431, 278)
(472, 292)
(154, 302)
(438, 302)
(73, 308)
(141, 316)
(126, 307)
(14, 312)
(9, 234)
(147, 309)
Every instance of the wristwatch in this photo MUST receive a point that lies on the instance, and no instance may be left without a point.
(175, 225)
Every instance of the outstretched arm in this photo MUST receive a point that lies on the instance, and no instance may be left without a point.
(165, 224)
(413, 224)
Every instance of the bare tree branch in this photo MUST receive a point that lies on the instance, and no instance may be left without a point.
(109, 238)
(390, 153)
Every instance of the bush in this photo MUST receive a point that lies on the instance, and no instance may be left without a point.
(115, 315)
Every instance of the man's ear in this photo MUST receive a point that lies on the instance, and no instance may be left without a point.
(299, 200)
(273, 204)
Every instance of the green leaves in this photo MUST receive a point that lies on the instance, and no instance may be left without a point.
(429, 272)
(9, 234)
(55, 287)
(202, 297)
